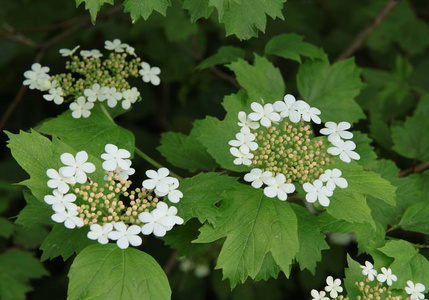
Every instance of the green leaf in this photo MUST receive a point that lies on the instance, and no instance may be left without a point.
(17, 268)
(200, 194)
(291, 46)
(90, 134)
(262, 80)
(31, 237)
(416, 218)
(62, 241)
(139, 8)
(186, 152)
(353, 274)
(366, 151)
(177, 25)
(411, 139)
(311, 240)
(408, 264)
(225, 54)
(198, 9)
(6, 228)
(253, 226)
(108, 272)
(93, 6)
(215, 134)
(34, 213)
(181, 237)
(332, 89)
(245, 18)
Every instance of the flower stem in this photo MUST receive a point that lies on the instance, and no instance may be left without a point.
(106, 112)
(153, 162)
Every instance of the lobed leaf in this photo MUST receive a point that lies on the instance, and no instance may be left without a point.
(143, 9)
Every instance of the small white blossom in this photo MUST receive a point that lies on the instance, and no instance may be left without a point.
(245, 141)
(387, 276)
(116, 45)
(201, 270)
(68, 52)
(257, 177)
(159, 180)
(416, 291)
(317, 191)
(125, 236)
(333, 286)
(336, 132)
(124, 174)
(150, 74)
(130, 50)
(241, 158)
(264, 114)
(81, 108)
(169, 213)
(68, 217)
(77, 167)
(245, 123)
(307, 113)
(344, 150)
(58, 181)
(91, 53)
(100, 233)
(111, 95)
(318, 295)
(367, 270)
(173, 194)
(55, 94)
(333, 179)
(95, 93)
(286, 108)
(115, 158)
(61, 202)
(130, 97)
(37, 77)
(278, 187)
(156, 222)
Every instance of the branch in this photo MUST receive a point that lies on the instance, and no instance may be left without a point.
(368, 30)
(416, 169)
(171, 262)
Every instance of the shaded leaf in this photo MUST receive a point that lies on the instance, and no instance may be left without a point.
(225, 54)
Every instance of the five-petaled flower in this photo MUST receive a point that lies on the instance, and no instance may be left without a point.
(317, 191)
(246, 123)
(61, 202)
(100, 233)
(257, 177)
(77, 167)
(345, 150)
(264, 114)
(124, 236)
(368, 270)
(81, 108)
(333, 286)
(336, 132)
(115, 158)
(318, 295)
(416, 291)
(333, 179)
(278, 187)
(387, 276)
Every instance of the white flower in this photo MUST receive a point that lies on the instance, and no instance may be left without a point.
(61, 202)
(333, 179)
(318, 295)
(278, 187)
(333, 286)
(264, 114)
(77, 167)
(156, 222)
(115, 158)
(130, 50)
(307, 113)
(58, 181)
(130, 97)
(116, 45)
(241, 158)
(91, 53)
(174, 195)
(367, 270)
(201, 270)
(150, 74)
(415, 291)
(68, 52)
(256, 177)
(124, 174)
(245, 141)
(159, 180)
(169, 213)
(336, 132)
(387, 276)
(68, 217)
(111, 95)
(36, 77)
(245, 123)
(95, 93)
(81, 108)
(55, 94)
(344, 150)
(286, 108)
(125, 236)
(100, 233)
(317, 191)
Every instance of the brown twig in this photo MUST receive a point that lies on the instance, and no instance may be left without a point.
(368, 30)
(171, 262)
(11, 34)
(225, 76)
(416, 169)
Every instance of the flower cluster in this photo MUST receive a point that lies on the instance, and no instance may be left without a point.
(110, 209)
(370, 287)
(92, 80)
(275, 141)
